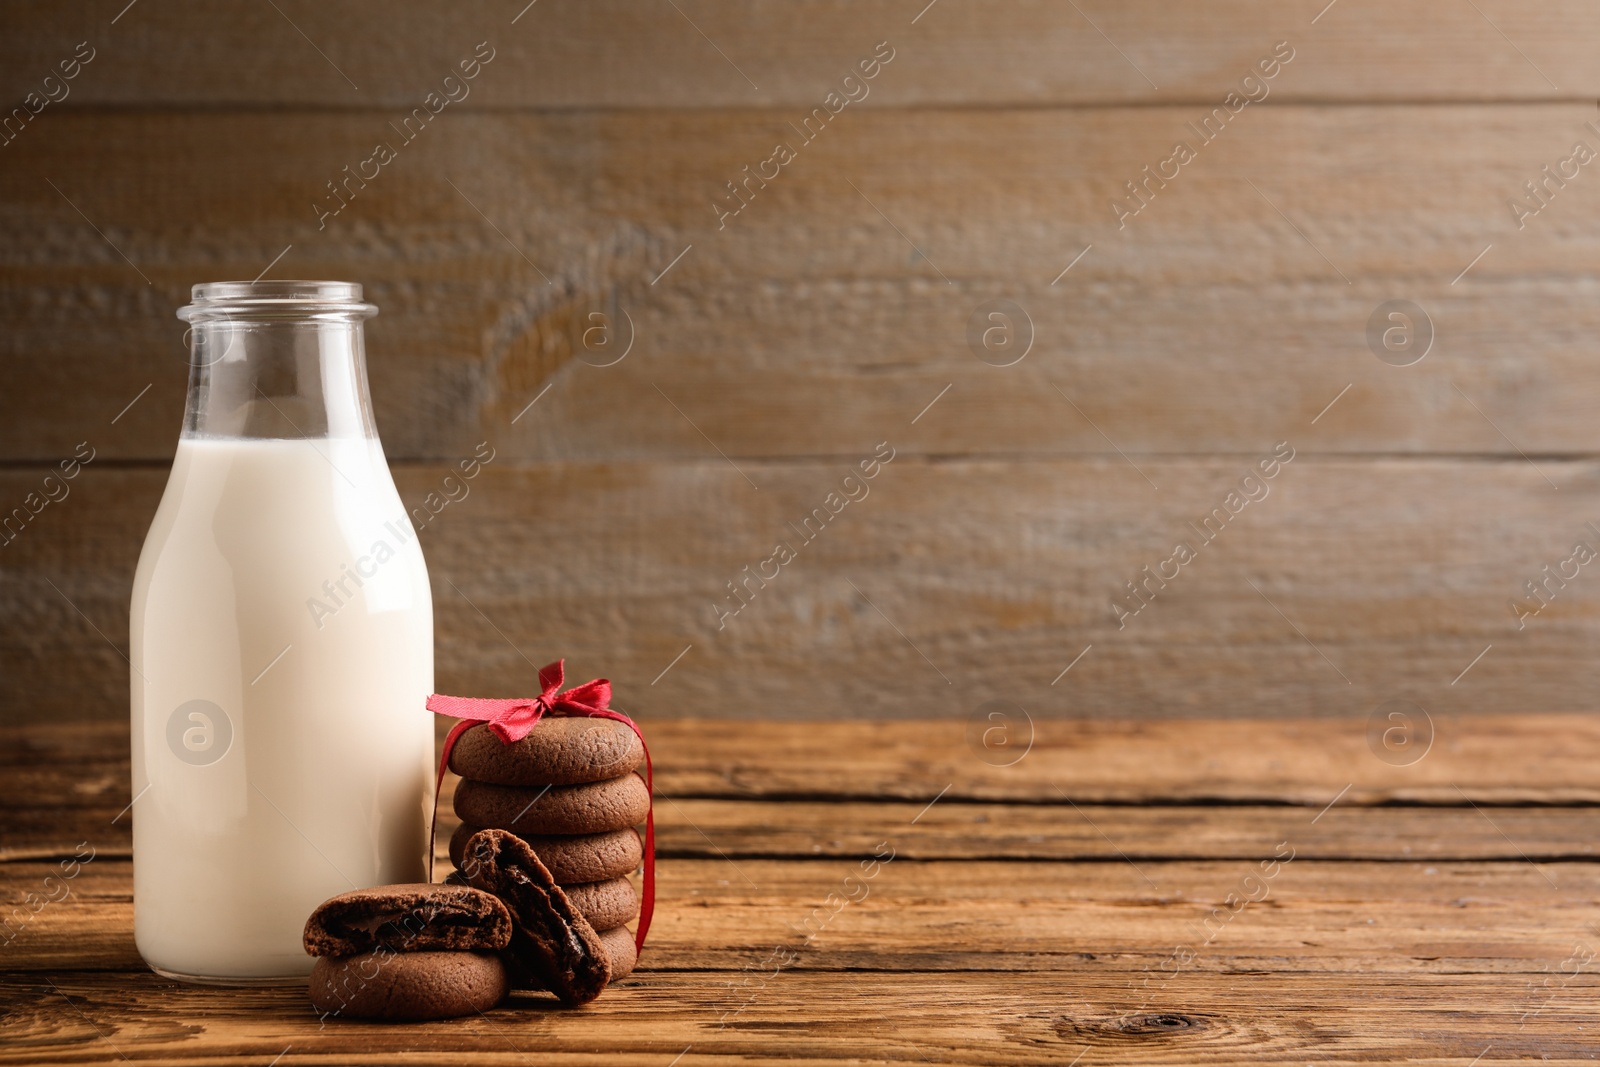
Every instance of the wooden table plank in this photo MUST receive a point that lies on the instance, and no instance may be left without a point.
(1540, 758)
(1521, 758)
(1414, 577)
(1040, 1017)
(799, 329)
(619, 54)
(962, 830)
(693, 828)
(1426, 917)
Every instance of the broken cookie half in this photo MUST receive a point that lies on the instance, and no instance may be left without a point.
(552, 945)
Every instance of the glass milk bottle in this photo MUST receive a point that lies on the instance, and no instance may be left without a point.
(282, 645)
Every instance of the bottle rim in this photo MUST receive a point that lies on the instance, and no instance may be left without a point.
(286, 299)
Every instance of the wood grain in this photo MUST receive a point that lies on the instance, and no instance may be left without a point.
(1509, 759)
(951, 584)
(615, 54)
(1039, 1017)
(707, 829)
(809, 326)
(1105, 934)
(719, 915)
(1178, 790)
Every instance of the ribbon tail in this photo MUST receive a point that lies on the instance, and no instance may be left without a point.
(647, 901)
(438, 782)
(647, 905)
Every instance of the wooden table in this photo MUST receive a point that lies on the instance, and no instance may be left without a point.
(1072, 907)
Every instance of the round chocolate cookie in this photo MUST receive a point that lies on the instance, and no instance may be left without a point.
(592, 808)
(620, 951)
(560, 750)
(408, 918)
(408, 986)
(605, 904)
(573, 858)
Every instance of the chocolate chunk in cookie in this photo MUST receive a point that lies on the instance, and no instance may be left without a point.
(408, 918)
(593, 808)
(560, 750)
(552, 944)
(408, 986)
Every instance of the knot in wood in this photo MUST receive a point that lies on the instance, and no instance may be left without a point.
(1121, 1026)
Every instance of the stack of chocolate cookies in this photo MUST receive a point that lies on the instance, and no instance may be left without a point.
(565, 800)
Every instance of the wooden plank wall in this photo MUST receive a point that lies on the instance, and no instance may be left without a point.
(775, 348)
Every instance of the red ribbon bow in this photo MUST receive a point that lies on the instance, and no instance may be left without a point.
(512, 720)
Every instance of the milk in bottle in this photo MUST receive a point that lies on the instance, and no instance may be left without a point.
(282, 645)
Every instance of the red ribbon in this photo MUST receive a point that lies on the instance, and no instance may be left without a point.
(512, 720)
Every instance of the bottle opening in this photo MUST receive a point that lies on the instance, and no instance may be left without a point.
(278, 359)
(276, 300)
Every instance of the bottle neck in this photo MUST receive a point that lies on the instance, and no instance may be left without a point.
(275, 360)
(278, 380)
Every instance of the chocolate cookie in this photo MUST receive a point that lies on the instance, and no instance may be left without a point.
(408, 918)
(620, 951)
(605, 904)
(573, 857)
(408, 986)
(592, 808)
(561, 750)
(551, 943)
